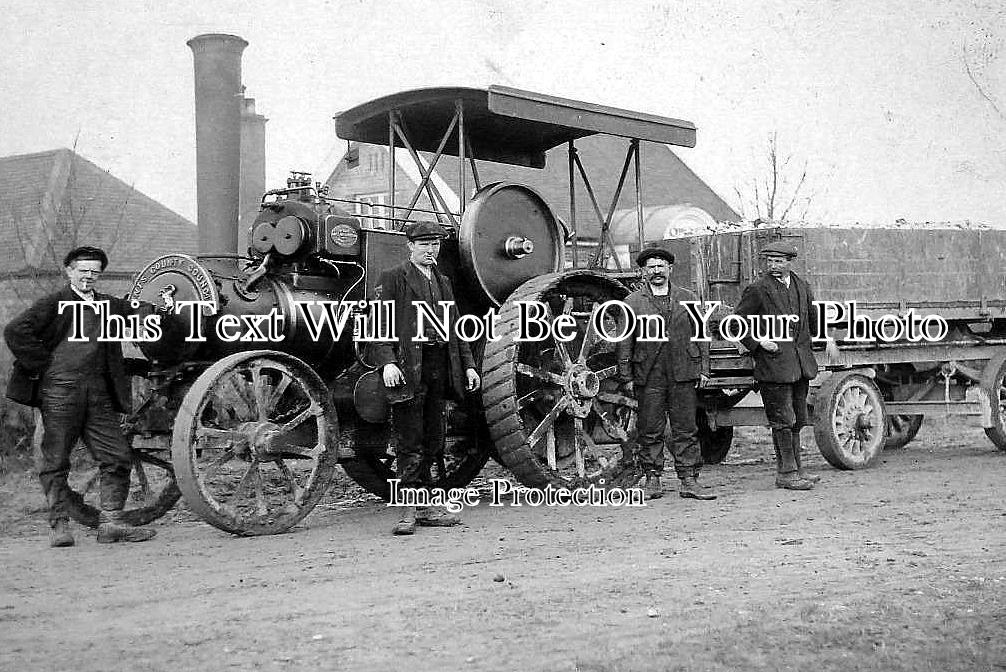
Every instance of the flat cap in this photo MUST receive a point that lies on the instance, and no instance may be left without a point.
(654, 253)
(420, 230)
(778, 248)
(86, 253)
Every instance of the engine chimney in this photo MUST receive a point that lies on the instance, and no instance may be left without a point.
(218, 139)
(252, 163)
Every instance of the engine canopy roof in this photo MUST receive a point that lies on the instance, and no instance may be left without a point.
(504, 125)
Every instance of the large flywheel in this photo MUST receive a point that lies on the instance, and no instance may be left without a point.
(555, 409)
(508, 236)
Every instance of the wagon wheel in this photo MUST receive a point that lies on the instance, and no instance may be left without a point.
(152, 487)
(254, 443)
(714, 443)
(994, 384)
(849, 421)
(555, 411)
(466, 451)
(899, 430)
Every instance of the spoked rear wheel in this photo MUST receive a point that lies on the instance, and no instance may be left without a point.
(255, 443)
(554, 408)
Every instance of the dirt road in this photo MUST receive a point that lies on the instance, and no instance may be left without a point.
(901, 567)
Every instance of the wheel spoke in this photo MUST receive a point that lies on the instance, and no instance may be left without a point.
(539, 374)
(560, 346)
(218, 462)
(238, 388)
(578, 444)
(617, 399)
(277, 393)
(547, 421)
(246, 478)
(589, 338)
(606, 372)
(230, 435)
(550, 448)
(261, 508)
(258, 392)
(530, 398)
(312, 410)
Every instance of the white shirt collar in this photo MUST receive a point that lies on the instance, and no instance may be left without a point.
(784, 280)
(79, 293)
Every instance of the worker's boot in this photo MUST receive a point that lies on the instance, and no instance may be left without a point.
(691, 488)
(59, 534)
(407, 523)
(652, 488)
(805, 475)
(787, 473)
(435, 516)
(112, 528)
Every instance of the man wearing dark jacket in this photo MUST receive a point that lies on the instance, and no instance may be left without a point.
(664, 374)
(783, 368)
(429, 371)
(81, 388)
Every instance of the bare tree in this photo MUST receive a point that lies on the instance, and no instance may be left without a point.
(779, 191)
(980, 55)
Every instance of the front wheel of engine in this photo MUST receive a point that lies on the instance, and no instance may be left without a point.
(255, 443)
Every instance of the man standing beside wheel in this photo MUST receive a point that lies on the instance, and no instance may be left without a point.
(664, 374)
(428, 371)
(81, 388)
(785, 367)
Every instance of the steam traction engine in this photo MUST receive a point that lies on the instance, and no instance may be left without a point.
(263, 408)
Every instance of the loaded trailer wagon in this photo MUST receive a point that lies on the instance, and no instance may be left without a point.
(875, 386)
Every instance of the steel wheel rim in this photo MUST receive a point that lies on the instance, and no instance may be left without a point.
(255, 444)
(855, 422)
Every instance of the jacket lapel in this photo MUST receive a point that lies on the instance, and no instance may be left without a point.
(776, 292)
(415, 280)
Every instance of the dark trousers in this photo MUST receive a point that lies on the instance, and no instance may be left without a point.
(81, 409)
(421, 422)
(786, 410)
(785, 404)
(662, 398)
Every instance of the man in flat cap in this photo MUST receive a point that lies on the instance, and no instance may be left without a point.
(81, 389)
(432, 369)
(783, 368)
(664, 375)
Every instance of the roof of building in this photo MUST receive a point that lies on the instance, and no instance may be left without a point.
(55, 200)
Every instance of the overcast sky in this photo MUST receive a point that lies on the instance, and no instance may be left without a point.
(872, 94)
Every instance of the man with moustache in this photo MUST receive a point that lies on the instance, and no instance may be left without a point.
(432, 369)
(783, 368)
(664, 375)
(81, 388)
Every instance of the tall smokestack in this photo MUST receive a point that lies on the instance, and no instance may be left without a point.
(252, 163)
(218, 139)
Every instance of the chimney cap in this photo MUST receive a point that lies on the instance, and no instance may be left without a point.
(221, 39)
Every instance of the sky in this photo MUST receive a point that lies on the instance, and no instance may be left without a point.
(871, 96)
